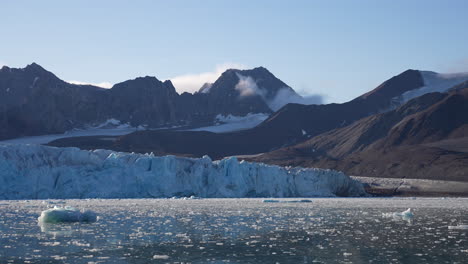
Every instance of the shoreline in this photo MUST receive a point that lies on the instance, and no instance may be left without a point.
(401, 187)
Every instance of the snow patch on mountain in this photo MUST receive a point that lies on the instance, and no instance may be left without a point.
(41, 172)
(110, 127)
(434, 82)
(231, 123)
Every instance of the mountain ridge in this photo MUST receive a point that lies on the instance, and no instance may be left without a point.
(288, 126)
(55, 106)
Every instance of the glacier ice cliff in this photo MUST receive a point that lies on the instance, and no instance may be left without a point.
(42, 172)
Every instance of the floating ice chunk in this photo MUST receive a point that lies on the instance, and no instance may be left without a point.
(160, 257)
(192, 198)
(286, 201)
(458, 227)
(67, 214)
(406, 214)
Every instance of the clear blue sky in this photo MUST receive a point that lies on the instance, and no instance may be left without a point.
(339, 49)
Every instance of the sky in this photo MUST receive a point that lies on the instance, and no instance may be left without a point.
(336, 49)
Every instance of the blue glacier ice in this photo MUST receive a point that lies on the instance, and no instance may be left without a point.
(43, 172)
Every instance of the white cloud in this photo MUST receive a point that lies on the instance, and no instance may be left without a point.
(192, 82)
(101, 84)
(247, 86)
(285, 96)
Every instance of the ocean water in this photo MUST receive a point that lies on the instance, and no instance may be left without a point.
(333, 230)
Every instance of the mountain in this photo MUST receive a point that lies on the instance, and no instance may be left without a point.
(426, 138)
(290, 125)
(35, 102)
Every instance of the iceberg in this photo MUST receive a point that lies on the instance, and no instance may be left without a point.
(406, 215)
(43, 172)
(66, 215)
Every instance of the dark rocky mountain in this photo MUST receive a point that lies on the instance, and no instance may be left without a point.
(424, 138)
(460, 86)
(35, 101)
(292, 124)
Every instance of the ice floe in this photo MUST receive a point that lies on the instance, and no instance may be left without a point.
(66, 214)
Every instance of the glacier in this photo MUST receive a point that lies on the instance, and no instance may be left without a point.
(43, 172)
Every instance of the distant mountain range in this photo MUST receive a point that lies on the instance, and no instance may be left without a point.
(33, 101)
(290, 125)
(413, 125)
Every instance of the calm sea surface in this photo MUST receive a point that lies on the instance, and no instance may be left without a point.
(239, 231)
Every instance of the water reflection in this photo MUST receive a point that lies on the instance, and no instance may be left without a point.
(56, 229)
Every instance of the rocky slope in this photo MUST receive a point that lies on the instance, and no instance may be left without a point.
(424, 138)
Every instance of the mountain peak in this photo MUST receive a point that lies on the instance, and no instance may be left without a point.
(395, 86)
(257, 71)
(146, 83)
(34, 66)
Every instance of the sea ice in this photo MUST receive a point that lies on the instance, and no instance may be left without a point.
(65, 215)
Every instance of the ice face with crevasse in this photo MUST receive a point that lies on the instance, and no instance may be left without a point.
(41, 172)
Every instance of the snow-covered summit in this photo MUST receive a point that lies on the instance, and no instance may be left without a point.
(41, 172)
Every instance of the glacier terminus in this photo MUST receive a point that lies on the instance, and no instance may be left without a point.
(43, 172)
